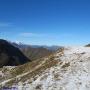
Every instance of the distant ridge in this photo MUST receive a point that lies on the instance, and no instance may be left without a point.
(21, 45)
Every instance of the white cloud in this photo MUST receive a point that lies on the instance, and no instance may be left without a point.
(28, 34)
(47, 35)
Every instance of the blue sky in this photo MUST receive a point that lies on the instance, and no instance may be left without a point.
(45, 22)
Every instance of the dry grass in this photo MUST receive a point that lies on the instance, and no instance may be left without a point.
(66, 65)
(56, 76)
(30, 66)
(34, 68)
(48, 64)
(25, 68)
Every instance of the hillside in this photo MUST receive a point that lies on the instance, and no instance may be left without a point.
(36, 53)
(66, 69)
(10, 55)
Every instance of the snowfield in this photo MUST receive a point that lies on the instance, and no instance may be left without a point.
(71, 73)
(74, 76)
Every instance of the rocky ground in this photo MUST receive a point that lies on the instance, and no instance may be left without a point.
(67, 69)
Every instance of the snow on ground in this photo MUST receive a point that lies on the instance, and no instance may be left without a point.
(71, 73)
(74, 76)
